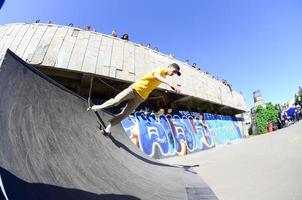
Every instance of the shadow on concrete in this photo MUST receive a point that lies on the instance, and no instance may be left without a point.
(121, 145)
(50, 147)
(17, 188)
(187, 168)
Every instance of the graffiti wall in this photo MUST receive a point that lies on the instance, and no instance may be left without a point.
(180, 133)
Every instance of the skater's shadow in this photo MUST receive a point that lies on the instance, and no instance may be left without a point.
(121, 145)
(187, 168)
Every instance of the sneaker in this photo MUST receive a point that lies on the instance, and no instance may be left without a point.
(94, 108)
(105, 133)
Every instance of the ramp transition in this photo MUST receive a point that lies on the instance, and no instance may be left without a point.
(51, 148)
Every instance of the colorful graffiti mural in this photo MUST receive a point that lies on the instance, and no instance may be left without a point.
(181, 133)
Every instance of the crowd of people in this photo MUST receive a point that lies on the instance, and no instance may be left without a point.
(126, 38)
(290, 116)
(194, 65)
(225, 82)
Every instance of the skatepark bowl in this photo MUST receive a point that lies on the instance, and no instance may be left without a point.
(52, 148)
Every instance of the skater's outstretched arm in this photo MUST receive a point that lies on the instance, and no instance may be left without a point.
(173, 86)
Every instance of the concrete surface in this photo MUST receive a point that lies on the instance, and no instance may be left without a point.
(265, 167)
(51, 148)
(76, 49)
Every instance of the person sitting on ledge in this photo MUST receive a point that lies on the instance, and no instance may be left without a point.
(138, 92)
(125, 37)
(113, 33)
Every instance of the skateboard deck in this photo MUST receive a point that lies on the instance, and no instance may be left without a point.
(101, 123)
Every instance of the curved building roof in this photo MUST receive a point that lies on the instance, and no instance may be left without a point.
(79, 50)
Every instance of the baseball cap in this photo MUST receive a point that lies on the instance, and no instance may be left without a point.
(176, 67)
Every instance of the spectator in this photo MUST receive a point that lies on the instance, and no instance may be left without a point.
(169, 111)
(113, 33)
(227, 84)
(87, 28)
(230, 87)
(280, 124)
(171, 55)
(285, 118)
(294, 116)
(298, 112)
(300, 109)
(125, 37)
(149, 45)
(70, 24)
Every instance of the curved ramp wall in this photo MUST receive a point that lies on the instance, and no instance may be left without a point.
(91, 52)
(181, 133)
(51, 148)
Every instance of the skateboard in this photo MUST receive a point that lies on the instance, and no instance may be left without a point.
(102, 126)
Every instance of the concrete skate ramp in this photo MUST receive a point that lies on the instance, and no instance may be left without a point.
(51, 148)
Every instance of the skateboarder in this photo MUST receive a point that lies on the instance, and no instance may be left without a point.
(138, 92)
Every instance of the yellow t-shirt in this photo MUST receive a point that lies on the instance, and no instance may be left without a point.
(147, 83)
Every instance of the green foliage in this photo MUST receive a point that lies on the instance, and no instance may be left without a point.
(266, 115)
(261, 119)
(297, 99)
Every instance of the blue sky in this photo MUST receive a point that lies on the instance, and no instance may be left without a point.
(254, 44)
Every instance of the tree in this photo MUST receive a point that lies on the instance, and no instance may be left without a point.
(265, 115)
(298, 99)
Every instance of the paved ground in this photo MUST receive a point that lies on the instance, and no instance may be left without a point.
(51, 148)
(265, 167)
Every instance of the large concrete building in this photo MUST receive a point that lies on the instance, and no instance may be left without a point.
(73, 56)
